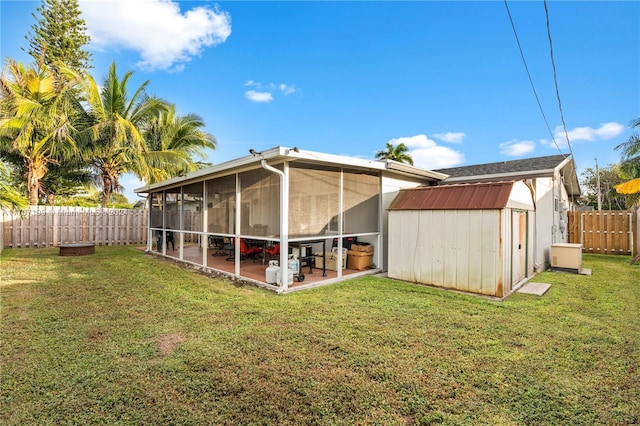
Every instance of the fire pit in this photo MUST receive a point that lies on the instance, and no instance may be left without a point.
(77, 249)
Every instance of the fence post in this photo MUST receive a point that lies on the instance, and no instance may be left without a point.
(635, 231)
(582, 230)
(2, 216)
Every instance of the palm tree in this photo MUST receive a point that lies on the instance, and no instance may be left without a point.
(35, 120)
(172, 143)
(398, 153)
(10, 197)
(66, 179)
(630, 165)
(114, 143)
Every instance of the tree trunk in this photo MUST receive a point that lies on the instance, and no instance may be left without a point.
(106, 189)
(32, 187)
(33, 183)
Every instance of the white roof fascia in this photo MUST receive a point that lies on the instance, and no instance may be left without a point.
(575, 189)
(217, 168)
(342, 160)
(413, 171)
(564, 162)
(292, 154)
(510, 175)
(331, 159)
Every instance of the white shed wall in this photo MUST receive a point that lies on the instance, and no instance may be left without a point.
(458, 249)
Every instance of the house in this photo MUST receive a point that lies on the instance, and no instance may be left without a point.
(554, 181)
(474, 237)
(228, 218)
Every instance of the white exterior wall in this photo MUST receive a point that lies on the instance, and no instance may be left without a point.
(548, 227)
(533, 214)
(390, 186)
(458, 249)
(560, 217)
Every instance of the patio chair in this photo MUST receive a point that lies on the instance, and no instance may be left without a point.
(170, 240)
(246, 252)
(218, 245)
(272, 252)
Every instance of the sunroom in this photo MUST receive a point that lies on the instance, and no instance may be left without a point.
(227, 218)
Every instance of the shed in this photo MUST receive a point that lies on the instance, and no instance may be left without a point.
(555, 184)
(475, 237)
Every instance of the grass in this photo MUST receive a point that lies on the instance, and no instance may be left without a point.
(123, 338)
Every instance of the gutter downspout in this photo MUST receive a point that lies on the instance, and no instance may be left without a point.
(553, 215)
(284, 226)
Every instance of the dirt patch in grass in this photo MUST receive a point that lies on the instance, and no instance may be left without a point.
(169, 343)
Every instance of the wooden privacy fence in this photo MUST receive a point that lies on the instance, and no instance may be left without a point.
(605, 232)
(44, 226)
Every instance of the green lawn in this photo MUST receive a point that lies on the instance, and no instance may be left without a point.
(120, 337)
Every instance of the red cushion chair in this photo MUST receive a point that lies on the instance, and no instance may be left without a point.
(272, 252)
(246, 251)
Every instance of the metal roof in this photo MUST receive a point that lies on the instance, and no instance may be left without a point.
(472, 196)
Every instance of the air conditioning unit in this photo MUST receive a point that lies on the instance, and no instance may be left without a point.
(566, 257)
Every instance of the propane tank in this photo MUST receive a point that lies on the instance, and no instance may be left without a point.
(289, 276)
(272, 272)
(293, 263)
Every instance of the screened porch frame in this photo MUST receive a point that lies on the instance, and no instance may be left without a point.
(186, 212)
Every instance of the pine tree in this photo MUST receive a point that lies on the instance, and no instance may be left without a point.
(60, 34)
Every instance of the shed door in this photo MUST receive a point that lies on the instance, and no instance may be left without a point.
(519, 251)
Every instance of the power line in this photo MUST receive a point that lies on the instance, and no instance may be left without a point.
(555, 76)
(555, 81)
(515, 33)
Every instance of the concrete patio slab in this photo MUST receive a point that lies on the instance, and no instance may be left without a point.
(534, 288)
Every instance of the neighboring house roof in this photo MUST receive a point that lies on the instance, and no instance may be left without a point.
(471, 196)
(280, 154)
(518, 169)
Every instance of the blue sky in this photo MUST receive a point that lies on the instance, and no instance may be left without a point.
(446, 78)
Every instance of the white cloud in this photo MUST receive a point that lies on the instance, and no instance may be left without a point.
(255, 96)
(427, 154)
(605, 131)
(516, 148)
(451, 137)
(165, 37)
(265, 92)
(286, 89)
